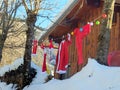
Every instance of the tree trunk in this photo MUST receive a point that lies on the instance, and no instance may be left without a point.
(3, 37)
(30, 21)
(104, 37)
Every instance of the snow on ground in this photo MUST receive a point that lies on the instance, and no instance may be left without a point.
(39, 78)
(3, 86)
(10, 67)
(92, 77)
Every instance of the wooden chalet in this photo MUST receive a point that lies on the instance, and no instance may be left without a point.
(84, 11)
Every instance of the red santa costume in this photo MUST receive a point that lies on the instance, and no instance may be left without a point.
(79, 38)
(35, 45)
(63, 56)
(51, 44)
(44, 67)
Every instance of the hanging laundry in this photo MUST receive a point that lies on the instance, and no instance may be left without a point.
(63, 56)
(51, 44)
(51, 53)
(80, 35)
(44, 67)
(35, 45)
(51, 50)
(46, 52)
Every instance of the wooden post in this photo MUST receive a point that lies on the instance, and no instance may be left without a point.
(104, 37)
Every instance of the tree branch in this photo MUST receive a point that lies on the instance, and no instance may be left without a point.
(25, 5)
(36, 6)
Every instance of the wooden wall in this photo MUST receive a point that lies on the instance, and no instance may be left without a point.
(91, 41)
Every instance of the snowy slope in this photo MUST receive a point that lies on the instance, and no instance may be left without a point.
(92, 77)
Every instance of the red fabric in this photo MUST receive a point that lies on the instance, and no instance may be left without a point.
(42, 46)
(45, 54)
(62, 57)
(109, 58)
(79, 38)
(51, 44)
(114, 58)
(44, 68)
(35, 45)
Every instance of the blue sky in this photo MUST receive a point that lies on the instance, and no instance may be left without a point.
(43, 22)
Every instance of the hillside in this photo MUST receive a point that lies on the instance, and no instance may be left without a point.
(15, 43)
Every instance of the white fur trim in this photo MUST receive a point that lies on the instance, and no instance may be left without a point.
(66, 66)
(45, 50)
(61, 71)
(59, 55)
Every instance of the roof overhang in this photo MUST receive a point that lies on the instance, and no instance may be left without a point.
(59, 20)
(69, 12)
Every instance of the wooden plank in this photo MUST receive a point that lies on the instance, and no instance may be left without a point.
(91, 41)
(118, 29)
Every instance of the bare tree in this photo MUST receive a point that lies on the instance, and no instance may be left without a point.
(8, 11)
(32, 7)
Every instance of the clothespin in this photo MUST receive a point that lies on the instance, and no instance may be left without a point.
(68, 36)
(63, 37)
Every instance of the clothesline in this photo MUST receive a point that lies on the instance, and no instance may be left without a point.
(91, 23)
(52, 47)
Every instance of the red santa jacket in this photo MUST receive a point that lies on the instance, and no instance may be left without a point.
(62, 56)
(79, 38)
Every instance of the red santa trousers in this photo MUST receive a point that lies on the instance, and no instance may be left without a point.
(44, 66)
